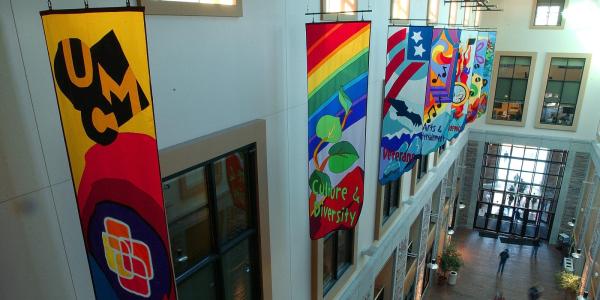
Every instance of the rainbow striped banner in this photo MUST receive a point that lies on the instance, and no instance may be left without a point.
(477, 80)
(487, 73)
(337, 71)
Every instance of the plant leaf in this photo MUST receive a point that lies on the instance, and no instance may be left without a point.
(342, 156)
(319, 182)
(344, 100)
(329, 129)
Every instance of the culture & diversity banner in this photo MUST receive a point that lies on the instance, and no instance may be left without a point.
(461, 92)
(337, 71)
(477, 79)
(408, 54)
(440, 86)
(99, 63)
(487, 73)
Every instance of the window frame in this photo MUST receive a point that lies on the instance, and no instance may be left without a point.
(317, 260)
(382, 222)
(552, 27)
(195, 152)
(416, 180)
(494, 82)
(181, 8)
(580, 96)
(334, 16)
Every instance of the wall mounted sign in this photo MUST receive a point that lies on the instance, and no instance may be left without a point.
(478, 82)
(408, 54)
(337, 71)
(461, 92)
(487, 73)
(99, 63)
(440, 88)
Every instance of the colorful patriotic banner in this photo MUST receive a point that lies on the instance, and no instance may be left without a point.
(487, 73)
(337, 70)
(460, 99)
(408, 53)
(440, 86)
(99, 63)
(477, 80)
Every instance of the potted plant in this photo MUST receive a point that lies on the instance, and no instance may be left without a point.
(451, 262)
(569, 282)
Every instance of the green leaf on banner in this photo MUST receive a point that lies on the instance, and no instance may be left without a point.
(329, 129)
(319, 182)
(342, 156)
(345, 100)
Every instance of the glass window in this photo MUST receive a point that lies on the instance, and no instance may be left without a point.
(337, 256)
(422, 164)
(517, 187)
(212, 229)
(452, 18)
(510, 94)
(391, 198)
(549, 12)
(467, 17)
(563, 87)
(400, 9)
(433, 11)
(218, 8)
(334, 6)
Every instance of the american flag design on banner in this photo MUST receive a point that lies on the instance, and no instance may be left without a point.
(408, 53)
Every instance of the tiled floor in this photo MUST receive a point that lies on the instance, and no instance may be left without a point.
(477, 279)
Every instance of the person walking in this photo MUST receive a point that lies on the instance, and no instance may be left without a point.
(536, 246)
(503, 258)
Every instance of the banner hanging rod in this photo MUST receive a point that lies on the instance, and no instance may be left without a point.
(338, 12)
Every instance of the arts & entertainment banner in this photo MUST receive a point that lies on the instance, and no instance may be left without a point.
(408, 54)
(460, 101)
(440, 86)
(99, 63)
(487, 73)
(477, 79)
(337, 71)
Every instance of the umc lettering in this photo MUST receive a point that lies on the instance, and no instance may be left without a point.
(99, 82)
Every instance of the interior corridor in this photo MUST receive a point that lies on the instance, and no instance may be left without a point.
(477, 278)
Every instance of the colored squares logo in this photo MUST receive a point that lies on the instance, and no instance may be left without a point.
(128, 258)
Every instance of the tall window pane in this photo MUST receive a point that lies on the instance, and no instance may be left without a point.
(512, 84)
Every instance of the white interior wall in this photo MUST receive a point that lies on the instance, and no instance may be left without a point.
(514, 34)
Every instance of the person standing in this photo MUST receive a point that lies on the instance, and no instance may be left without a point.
(503, 258)
(536, 246)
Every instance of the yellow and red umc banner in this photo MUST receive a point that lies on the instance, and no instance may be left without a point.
(99, 63)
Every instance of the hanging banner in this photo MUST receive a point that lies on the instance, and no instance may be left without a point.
(487, 73)
(477, 79)
(460, 98)
(408, 53)
(337, 71)
(440, 86)
(99, 63)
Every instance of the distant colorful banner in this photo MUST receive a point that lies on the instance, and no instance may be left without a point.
(440, 86)
(408, 54)
(99, 62)
(477, 80)
(464, 66)
(487, 73)
(337, 70)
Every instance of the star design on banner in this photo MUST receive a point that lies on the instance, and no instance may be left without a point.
(416, 37)
(419, 50)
